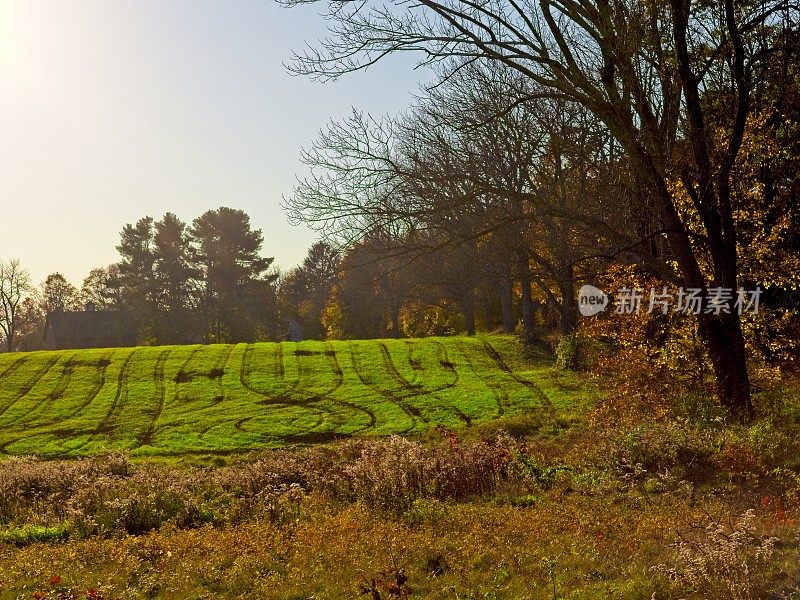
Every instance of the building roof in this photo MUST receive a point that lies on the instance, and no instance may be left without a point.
(87, 329)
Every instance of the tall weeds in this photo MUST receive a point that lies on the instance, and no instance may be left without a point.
(108, 494)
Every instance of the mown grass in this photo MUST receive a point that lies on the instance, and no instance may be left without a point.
(185, 400)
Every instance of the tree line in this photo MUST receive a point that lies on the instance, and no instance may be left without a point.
(560, 138)
(207, 282)
(200, 283)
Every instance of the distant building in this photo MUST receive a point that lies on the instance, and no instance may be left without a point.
(89, 328)
(294, 332)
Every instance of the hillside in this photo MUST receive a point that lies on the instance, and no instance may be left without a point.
(226, 398)
(541, 493)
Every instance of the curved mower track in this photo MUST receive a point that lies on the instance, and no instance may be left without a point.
(122, 385)
(412, 412)
(146, 438)
(31, 383)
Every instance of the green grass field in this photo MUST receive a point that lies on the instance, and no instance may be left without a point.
(226, 398)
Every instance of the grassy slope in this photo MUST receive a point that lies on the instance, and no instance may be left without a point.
(605, 527)
(226, 398)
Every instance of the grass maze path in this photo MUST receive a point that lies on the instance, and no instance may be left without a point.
(273, 386)
(177, 400)
(12, 368)
(16, 385)
(89, 377)
(343, 416)
(369, 374)
(146, 438)
(120, 396)
(439, 373)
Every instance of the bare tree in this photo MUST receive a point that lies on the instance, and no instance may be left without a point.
(471, 164)
(14, 284)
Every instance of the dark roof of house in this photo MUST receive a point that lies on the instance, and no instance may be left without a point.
(88, 325)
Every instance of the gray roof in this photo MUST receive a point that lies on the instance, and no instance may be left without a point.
(89, 329)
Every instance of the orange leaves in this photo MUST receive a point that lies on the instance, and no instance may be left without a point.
(648, 361)
(62, 592)
(392, 582)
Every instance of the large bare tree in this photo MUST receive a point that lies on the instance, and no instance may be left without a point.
(471, 163)
(15, 283)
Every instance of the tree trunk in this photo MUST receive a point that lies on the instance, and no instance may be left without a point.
(721, 334)
(726, 348)
(527, 303)
(507, 306)
(568, 307)
(710, 190)
(527, 307)
(396, 323)
(488, 313)
(469, 311)
(569, 321)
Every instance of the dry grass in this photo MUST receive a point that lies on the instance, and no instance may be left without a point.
(590, 513)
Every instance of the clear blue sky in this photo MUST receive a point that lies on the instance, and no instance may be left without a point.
(114, 109)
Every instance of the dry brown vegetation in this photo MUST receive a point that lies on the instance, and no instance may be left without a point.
(665, 510)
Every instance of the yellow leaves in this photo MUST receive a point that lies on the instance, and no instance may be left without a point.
(419, 319)
(764, 224)
(758, 144)
(765, 257)
(333, 318)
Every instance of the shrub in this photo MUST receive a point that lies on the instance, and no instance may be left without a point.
(544, 476)
(568, 352)
(145, 501)
(667, 446)
(98, 498)
(390, 475)
(32, 490)
(721, 560)
(29, 534)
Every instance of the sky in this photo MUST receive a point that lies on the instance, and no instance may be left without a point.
(111, 110)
